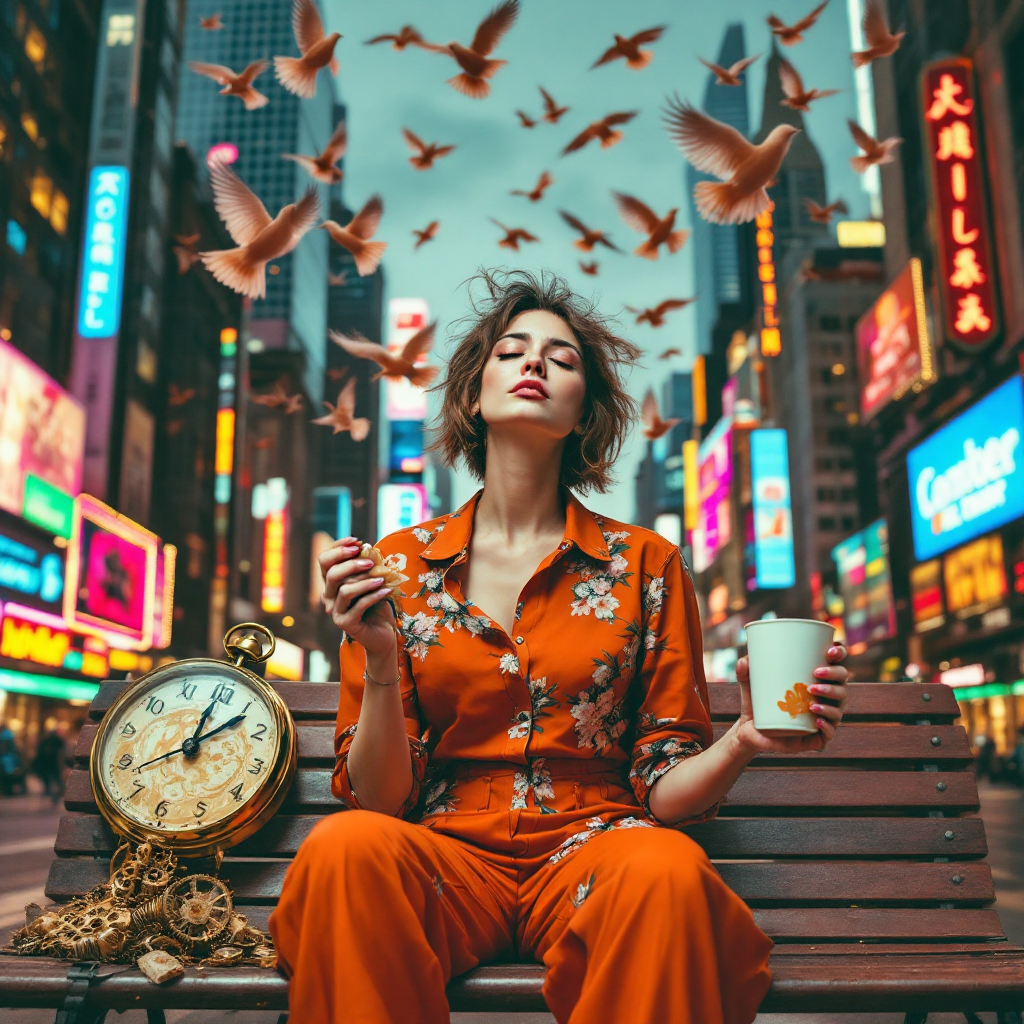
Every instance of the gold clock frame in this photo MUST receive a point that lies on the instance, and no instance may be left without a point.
(212, 839)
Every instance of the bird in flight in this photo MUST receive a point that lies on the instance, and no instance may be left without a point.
(341, 416)
(628, 49)
(602, 130)
(544, 182)
(424, 154)
(588, 237)
(881, 42)
(790, 35)
(185, 252)
(322, 167)
(337, 280)
(589, 268)
(731, 74)
(655, 316)
(513, 236)
(659, 230)
(525, 120)
(405, 36)
(670, 352)
(239, 85)
(212, 23)
(177, 397)
(552, 111)
(298, 74)
(259, 238)
(719, 149)
(394, 365)
(654, 426)
(278, 398)
(426, 234)
(337, 372)
(356, 234)
(823, 214)
(798, 97)
(875, 152)
(475, 59)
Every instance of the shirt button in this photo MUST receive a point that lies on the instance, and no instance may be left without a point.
(519, 639)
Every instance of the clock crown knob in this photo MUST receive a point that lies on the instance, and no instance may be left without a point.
(244, 642)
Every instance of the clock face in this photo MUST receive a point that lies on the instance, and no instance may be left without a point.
(158, 785)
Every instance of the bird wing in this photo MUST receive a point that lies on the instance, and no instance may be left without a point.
(710, 145)
(663, 307)
(431, 228)
(607, 57)
(876, 29)
(306, 24)
(187, 240)
(775, 23)
(419, 344)
(620, 117)
(550, 106)
(716, 68)
(305, 213)
(526, 120)
(361, 348)
(574, 222)
(812, 206)
(347, 398)
(336, 145)
(582, 139)
(808, 20)
(861, 137)
(649, 409)
(365, 223)
(636, 214)
(649, 35)
(543, 181)
(792, 83)
(414, 141)
(218, 72)
(494, 26)
(839, 206)
(742, 65)
(526, 236)
(253, 71)
(442, 150)
(238, 206)
(502, 226)
(386, 38)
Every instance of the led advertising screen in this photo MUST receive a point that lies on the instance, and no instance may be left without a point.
(865, 583)
(926, 595)
(42, 437)
(975, 577)
(106, 222)
(894, 349)
(400, 506)
(31, 569)
(714, 477)
(405, 401)
(773, 517)
(964, 480)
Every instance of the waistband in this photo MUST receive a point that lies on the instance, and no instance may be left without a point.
(557, 767)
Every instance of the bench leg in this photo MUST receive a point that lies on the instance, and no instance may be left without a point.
(73, 1010)
(973, 1018)
(915, 1017)
(155, 1017)
(283, 1019)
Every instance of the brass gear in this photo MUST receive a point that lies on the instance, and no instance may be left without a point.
(197, 908)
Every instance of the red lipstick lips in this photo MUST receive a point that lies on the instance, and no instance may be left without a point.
(532, 385)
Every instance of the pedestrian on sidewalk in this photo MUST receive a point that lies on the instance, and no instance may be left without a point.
(12, 773)
(49, 762)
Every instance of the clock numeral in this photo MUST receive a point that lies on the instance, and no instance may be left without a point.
(257, 766)
(125, 762)
(258, 734)
(129, 729)
(223, 693)
(200, 809)
(139, 787)
(237, 792)
(188, 690)
(162, 808)
(155, 704)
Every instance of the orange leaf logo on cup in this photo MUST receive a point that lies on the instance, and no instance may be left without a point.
(798, 702)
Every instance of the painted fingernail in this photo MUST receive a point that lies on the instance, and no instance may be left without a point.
(365, 562)
(821, 672)
(835, 650)
(821, 722)
(817, 707)
(816, 688)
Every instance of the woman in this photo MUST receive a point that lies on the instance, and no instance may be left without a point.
(520, 747)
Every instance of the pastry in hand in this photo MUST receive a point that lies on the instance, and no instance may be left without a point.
(387, 569)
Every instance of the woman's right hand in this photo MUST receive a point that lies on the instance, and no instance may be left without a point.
(355, 600)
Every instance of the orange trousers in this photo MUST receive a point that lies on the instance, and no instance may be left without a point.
(634, 924)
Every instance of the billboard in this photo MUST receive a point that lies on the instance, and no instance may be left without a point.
(773, 517)
(975, 577)
(894, 348)
(865, 583)
(103, 252)
(926, 604)
(714, 477)
(965, 480)
(400, 506)
(42, 440)
(31, 569)
(405, 401)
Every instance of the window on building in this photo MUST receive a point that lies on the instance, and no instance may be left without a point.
(824, 465)
(845, 464)
(826, 494)
(828, 322)
(59, 212)
(837, 437)
(847, 524)
(41, 193)
(35, 46)
(848, 494)
(826, 523)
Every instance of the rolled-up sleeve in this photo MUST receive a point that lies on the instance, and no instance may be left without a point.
(673, 720)
(353, 664)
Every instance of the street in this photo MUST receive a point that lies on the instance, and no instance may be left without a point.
(28, 825)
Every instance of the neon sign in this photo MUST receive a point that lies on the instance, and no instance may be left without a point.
(771, 340)
(965, 267)
(99, 313)
(773, 517)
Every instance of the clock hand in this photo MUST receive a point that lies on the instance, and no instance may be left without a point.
(220, 728)
(190, 747)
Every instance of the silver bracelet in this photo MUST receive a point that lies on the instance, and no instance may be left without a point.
(367, 678)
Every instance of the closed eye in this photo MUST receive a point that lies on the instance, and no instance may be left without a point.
(519, 355)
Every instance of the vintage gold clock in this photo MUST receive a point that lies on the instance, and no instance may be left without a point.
(197, 755)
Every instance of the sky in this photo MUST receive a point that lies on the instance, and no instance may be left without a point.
(553, 43)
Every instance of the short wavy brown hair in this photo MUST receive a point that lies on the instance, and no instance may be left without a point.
(609, 411)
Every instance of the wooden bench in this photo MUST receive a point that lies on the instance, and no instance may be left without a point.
(865, 864)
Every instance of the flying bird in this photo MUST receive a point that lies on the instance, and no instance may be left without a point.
(544, 182)
(589, 268)
(601, 130)
(185, 252)
(258, 237)
(650, 416)
(588, 237)
(356, 234)
(406, 36)
(798, 97)
(670, 352)
(881, 42)
(642, 218)
(719, 149)
(394, 365)
(298, 74)
(790, 35)
(552, 111)
(321, 167)
(475, 60)
(628, 48)
(426, 234)
(513, 236)
(239, 85)
(337, 372)
(525, 120)
(337, 280)
(424, 154)
(341, 416)
(655, 316)
(278, 398)
(212, 23)
(823, 214)
(177, 397)
(875, 152)
(731, 74)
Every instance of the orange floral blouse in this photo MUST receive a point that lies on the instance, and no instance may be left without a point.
(604, 663)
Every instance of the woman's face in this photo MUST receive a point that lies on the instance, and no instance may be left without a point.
(534, 376)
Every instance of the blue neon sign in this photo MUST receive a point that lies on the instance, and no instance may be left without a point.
(968, 478)
(30, 571)
(106, 220)
(773, 517)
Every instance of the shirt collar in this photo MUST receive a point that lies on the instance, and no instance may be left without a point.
(582, 528)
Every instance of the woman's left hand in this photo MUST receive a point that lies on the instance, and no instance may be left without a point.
(831, 684)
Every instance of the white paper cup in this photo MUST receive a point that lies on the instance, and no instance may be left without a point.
(783, 655)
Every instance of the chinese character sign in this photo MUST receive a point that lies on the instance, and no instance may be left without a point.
(99, 310)
(771, 343)
(965, 268)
